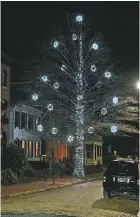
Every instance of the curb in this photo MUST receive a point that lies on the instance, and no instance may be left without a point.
(49, 188)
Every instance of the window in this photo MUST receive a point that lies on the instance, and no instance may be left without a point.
(115, 168)
(30, 149)
(4, 104)
(30, 124)
(89, 151)
(37, 149)
(95, 152)
(38, 120)
(23, 145)
(4, 78)
(99, 150)
(17, 119)
(23, 120)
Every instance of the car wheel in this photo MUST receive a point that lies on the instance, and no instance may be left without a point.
(106, 194)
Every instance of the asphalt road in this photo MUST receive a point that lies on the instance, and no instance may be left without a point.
(72, 201)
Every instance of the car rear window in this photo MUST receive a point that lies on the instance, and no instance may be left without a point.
(128, 168)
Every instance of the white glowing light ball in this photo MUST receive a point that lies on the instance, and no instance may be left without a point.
(35, 96)
(93, 68)
(80, 97)
(54, 130)
(50, 107)
(108, 74)
(90, 130)
(104, 111)
(79, 18)
(56, 85)
(74, 37)
(70, 138)
(55, 44)
(115, 100)
(63, 68)
(95, 46)
(114, 129)
(40, 128)
(44, 78)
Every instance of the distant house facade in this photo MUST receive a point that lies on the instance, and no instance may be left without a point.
(92, 151)
(23, 123)
(5, 96)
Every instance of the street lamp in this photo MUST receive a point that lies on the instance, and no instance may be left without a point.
(138, 85)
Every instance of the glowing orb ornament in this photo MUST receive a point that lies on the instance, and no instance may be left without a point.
(80, 97)
(93, 68)
(63, 68)
(35, 96)
(40, 128)
(50, 107)
(108, 74)
(54, 130)
(95, 46)
(44, 78)
(79, 18)
(55, 44)
(56, 85)
(115, 100)
(103, 111)
(90, 130)
(70, 138)
(74, 37)
(114, 129)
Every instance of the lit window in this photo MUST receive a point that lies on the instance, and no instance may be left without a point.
(37, 149)
(30, 149)
(23, 144)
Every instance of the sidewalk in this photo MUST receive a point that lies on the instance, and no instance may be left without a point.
(38, 186)
(7, 190)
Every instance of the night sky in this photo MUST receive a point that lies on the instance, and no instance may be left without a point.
(25, 22)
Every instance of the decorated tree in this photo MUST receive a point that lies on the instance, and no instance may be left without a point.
(80, 89)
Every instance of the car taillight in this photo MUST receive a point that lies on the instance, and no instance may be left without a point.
(104, 179)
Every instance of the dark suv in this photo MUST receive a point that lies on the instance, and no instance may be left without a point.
(121, 178)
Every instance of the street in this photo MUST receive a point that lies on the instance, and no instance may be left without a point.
(71, 201)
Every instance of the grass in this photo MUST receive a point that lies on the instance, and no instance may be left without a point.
(119, 205)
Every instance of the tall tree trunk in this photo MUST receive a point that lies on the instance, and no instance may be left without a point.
(79, 148)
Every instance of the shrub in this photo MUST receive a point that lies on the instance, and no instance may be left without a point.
(15, 158)
(8, 177)
(38, 165)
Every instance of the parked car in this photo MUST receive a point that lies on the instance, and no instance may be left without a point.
(121, 178)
